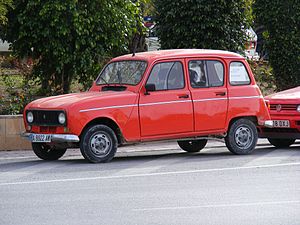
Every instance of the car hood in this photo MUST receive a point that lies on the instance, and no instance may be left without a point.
(80, 100)
(290, 94)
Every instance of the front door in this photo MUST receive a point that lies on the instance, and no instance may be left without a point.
(168, 109)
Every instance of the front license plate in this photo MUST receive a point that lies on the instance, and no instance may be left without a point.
(281, 123)
(40, 137)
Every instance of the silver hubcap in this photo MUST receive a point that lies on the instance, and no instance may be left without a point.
(243, 137)
(100, 144)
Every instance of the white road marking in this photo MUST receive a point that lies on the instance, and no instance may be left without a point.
(151, 174)
(219, 205)
(17, 157)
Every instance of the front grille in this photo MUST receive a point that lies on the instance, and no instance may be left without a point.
(283, 107)
(45, 117)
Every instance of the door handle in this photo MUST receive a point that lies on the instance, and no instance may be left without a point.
(183, 96)
(220, 93)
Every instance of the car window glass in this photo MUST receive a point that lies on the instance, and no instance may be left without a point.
(238, 74)
(206, 73)
(123, 72)
(198, 73)
(215, 73)
(167, 76)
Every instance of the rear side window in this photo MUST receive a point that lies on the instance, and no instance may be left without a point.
(167, 76)
(206, 73)
(238, 74)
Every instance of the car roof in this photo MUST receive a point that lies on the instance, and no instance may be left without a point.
(178, 53)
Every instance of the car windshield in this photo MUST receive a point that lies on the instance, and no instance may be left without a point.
(123, 72)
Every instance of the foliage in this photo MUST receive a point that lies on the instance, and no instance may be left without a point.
(147, 7)
(5, 5)
(69, 38)
(18, 89)
(214, 24)
(281, 21)
(264, 77)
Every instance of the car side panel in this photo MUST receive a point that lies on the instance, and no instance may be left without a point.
(246, 100)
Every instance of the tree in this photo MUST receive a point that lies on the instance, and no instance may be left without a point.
(281, 21)
(69, 38)
(214, 24)
(5, 5)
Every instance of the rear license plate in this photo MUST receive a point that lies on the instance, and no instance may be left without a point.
(281, 123)
(40, 137)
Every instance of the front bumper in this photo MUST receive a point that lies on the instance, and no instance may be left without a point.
(56, 137)
(269, 123)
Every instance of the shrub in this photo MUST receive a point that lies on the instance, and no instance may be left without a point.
(264, 77)
(281, 22)
(213, 24)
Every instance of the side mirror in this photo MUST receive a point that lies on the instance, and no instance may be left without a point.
(149, 87)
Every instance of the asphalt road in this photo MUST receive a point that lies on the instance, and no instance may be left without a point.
(153, 184)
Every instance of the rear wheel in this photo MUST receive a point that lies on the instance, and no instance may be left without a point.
(47, 152)
(98, 144)
(281, 143)
(192, 146)
(242, 137)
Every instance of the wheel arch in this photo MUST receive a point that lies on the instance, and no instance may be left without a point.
(251, 118)
(108, 122)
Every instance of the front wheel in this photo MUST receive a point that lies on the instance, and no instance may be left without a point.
(281, 143)
(192, 146)
(242, 137)
(47, 152)
(98, 144)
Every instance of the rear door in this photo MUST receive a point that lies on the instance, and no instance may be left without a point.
(168, 110)
(209, 93)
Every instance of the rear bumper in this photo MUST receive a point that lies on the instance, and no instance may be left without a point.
(56, 137)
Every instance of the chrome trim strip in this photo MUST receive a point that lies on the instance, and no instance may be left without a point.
(108, 107)
(56, 137)
(162, 103)
(169, 102)
(245, 97)
(209, 99)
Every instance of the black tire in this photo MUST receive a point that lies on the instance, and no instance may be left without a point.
(242, 137)
(98, 144)
(192, 145)
(47, 152)
(281, 143)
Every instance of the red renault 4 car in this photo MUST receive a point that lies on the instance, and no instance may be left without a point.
(285, 112)
(185, 95)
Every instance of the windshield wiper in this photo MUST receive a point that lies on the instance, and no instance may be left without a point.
(104, 80)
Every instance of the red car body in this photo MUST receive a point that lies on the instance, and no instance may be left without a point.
(136, 114)
(284, 109)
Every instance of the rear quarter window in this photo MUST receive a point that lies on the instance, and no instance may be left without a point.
(238, 74)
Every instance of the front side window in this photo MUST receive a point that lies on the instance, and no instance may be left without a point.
(206, 73)
(167, 76)
(123, 72)
(238, 74)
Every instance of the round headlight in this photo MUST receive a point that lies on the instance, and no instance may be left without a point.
(62, 118)
(298, 108)
(29, 117)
